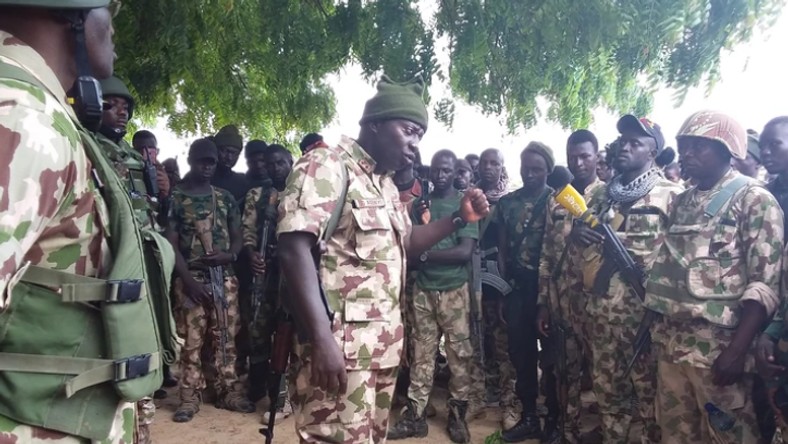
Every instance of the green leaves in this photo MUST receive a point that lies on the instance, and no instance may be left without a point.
(263, 64)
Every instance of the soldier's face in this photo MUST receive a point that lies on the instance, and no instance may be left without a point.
(256, 164)
(635, 152)
(204, 168)
(774, 148)
(228, 155)
(279, 166)
(533, 170)
(442, 173)
(147, 146)
(462, 179)
(748, 166)
(491, 166)
(700, 157)
(98, 39)
(398, 143)
(582, 159)
(116, 112)
(474, 162)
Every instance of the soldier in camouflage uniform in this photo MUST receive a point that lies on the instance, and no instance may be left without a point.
(635, 203)
(716, 283)
(350, 337)
(195, 205)
(50, 210)
(554, 300)
(520, 218)
(260, 211)
(439, 305)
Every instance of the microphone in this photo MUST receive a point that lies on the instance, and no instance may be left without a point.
(568, 197)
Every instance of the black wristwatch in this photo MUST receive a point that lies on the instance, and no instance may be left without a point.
(458, 221)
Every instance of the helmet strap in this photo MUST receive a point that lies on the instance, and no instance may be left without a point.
(85, 94)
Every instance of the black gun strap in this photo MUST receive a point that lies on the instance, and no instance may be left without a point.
(560, 265)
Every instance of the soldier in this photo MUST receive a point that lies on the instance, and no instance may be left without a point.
(439, 305)
(349, 345)
(173, 171)
(473, 160)
(55, 227)
(773, 143)
(520, 218)
(256, 173)
(147, 147)
(199, 211)
(750, 166)
(259, 209)
(716, 283)
(310, 142)
(673, 172)
(556, 305)
(230, 144)
(463, 175)
(496, 380)
(635, 204)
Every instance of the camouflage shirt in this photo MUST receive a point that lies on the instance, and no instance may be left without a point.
(558, 225)
(218, 207)
(641, 233)
(363, 271)
(514, 214)
(49, 206)
(748, 234)
(254, 215)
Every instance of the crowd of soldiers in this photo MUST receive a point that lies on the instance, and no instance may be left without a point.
(660, 281)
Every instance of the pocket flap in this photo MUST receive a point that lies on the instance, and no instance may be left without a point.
(368, 310)
(372, 218)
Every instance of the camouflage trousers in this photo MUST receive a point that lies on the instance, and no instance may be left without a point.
(360, 415)
(436, 313)
(684, 391)
(498, 369)
(146, 409)
(612, 351)
(199, 326)
(122, 432)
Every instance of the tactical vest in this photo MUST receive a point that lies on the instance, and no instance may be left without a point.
(131, 170)
(73, 347)
(699, 283)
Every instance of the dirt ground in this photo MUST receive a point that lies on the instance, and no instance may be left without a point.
(212, 425)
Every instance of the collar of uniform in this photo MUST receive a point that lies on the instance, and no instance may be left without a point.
(17, 53)
(357, 153)
(727, 177)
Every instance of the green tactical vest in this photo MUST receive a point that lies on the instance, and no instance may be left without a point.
(689, 284)
(69, 357)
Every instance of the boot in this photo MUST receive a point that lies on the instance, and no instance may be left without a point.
(169, 380)
(235, 401)
(527, 428)
(190, 405)
(409, 425)
(457, 427)
(552, 432)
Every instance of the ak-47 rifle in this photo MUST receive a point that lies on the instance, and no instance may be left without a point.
(265, 235)
(477, 328)
(216, 275)
(616, 256)
(280, 352)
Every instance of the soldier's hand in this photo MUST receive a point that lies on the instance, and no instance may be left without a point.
(217, 259)
(196, 293)
(328, 365)
(585, 236)
(728, 367)
(474, 206)
(765, 360)
(543, 321)
(257, 262)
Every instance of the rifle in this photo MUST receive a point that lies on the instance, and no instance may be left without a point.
(477, 329)
(259, 279)
(558, 335)
(216, 275)
(616, 256)
(280, 352)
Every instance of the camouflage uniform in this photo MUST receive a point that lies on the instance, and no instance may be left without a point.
(438, 307)
(515, 213)
(50, 207)
(737, 253)
(363, 273)
(616, 314)
(198, 323)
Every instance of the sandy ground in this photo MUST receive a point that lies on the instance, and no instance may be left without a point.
(212, 425)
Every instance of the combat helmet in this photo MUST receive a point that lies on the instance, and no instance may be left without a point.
(113, 86)
(714, 125)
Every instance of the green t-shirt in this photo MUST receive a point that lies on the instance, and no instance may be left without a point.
(434, 277)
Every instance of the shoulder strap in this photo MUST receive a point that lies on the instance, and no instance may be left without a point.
(337, 213)
(727, 192)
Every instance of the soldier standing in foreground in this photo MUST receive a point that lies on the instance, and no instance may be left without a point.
(55, 222)
(199, 211)
(440, 305)
(716, 283)
(350, 341)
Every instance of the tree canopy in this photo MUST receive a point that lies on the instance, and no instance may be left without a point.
(263, 64)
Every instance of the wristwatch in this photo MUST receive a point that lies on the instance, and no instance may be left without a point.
(424, 256)
(457, 220)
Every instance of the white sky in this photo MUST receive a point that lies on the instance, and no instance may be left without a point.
(753, 90)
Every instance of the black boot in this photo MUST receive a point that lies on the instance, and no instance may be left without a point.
(258, 374)
(527, 428)
(409, 425)
(457, 427)
(552, 432)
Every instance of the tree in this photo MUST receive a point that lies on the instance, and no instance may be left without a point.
(263, 64)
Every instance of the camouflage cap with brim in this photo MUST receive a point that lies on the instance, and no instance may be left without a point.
(717, 126)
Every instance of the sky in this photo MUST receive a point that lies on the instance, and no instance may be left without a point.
(752, 90)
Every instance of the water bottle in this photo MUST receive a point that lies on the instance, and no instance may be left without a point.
(719, 420)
